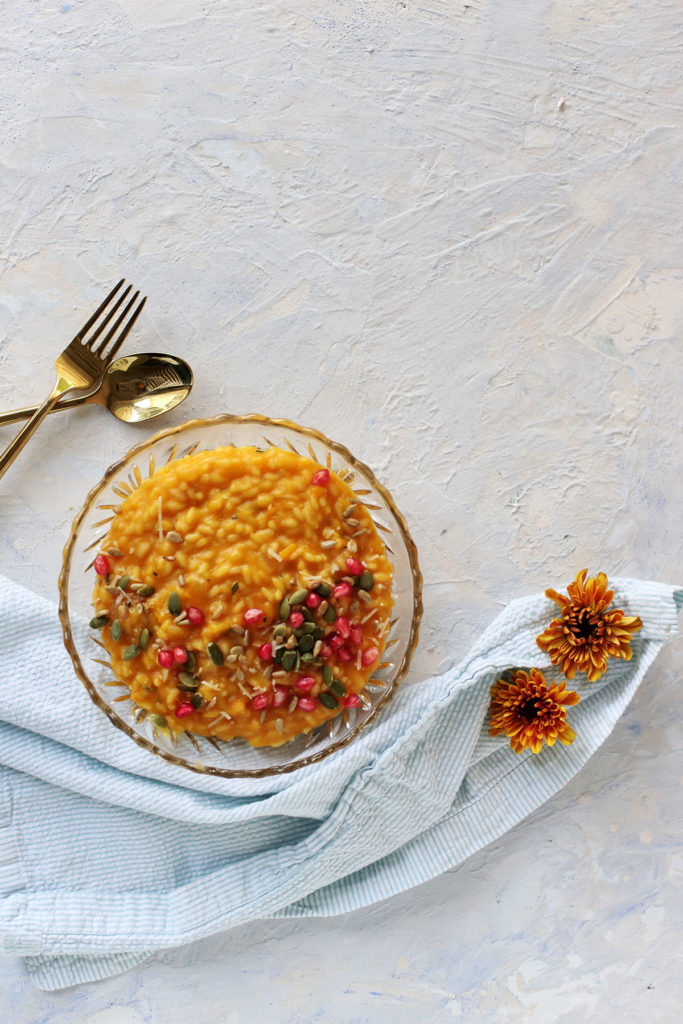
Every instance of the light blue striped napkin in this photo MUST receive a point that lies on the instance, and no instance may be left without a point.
(108, 854)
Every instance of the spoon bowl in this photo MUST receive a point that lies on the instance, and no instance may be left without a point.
(140, 387)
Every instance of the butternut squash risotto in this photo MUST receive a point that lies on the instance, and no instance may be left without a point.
(243, 593)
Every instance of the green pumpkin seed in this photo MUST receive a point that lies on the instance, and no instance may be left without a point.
(308, 658)
(288, 660)
(146, 591)
(366, 580)
(325, 590)
(297, 632)
(215, 653)
(328, 675)
(234, 588)
(278, 653)
(196, 700)
(98, 621)
(116, 630)
(306, 644)
(280, 630)
(130, 652)
(308, 627)
(191, 663)
(318, 633)
(307, 613)
(186, 681)
(284, 609)
(144, 639)
(123, 583)
(328, 701)
(329, 614)
(158, 720)
(175, 605)
(298, 597)
(337, 687)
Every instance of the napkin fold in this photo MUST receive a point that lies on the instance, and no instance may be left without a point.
(108, 854)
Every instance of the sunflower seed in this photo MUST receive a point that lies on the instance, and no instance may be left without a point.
(279, 724)
(174, 537)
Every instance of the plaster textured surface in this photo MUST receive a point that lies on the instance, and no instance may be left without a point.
(448, 235)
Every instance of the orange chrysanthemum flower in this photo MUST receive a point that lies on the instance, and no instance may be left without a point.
(531, 712)
(587, 634)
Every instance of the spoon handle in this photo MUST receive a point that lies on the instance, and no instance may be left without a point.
(25, 414)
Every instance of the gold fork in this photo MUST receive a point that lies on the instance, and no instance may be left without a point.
(81, 365)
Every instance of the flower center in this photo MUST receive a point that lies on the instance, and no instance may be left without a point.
(528, 710)
(584, 625)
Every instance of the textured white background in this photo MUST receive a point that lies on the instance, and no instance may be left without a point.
(448, 235)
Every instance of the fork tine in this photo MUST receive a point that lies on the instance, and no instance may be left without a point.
(122, 337)
(86, 327)
(117, 305)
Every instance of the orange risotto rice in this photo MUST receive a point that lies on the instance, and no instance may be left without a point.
(243, 593)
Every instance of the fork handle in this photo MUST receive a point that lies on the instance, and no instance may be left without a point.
(14, 447)
(23, 414)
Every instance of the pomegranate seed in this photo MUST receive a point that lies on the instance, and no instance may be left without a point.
(341, 590)
(252, 617)
(356, 636)
(265, 652)
(314, 601)
(296, 619)
(180, 655)
(305, 684)
(101, 565)
(165, 658)
(325, 651)
(354, 566)
(351, 700)
(307, 703)
(336, 641)
(370, 656)
(183, 710)
(281, 695)
(260, 701)
(195, 615)
(321, 478)
(343, 628)
(344, 654)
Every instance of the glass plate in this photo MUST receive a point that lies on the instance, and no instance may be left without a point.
(234, 758)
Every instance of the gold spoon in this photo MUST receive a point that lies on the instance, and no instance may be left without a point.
(134, 388)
